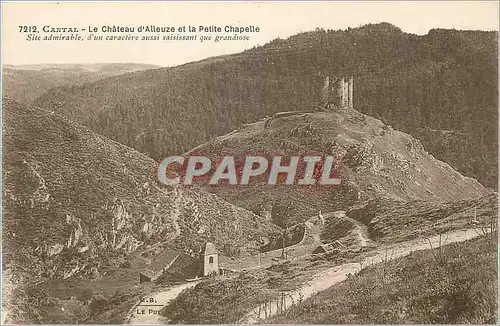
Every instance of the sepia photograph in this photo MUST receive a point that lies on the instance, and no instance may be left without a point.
(249, 162)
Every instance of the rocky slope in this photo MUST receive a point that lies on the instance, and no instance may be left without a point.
(75, 202)
(374, 161)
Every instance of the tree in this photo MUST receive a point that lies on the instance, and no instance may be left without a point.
(280, 215)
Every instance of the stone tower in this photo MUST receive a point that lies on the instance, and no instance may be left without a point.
(326, 90)
(339, 90)
(210, 258)
(337, 93)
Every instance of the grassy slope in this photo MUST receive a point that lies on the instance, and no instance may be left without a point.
(225, 300)
(390, 221)
(455, 284)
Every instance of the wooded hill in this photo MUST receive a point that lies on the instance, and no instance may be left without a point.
(440, 87)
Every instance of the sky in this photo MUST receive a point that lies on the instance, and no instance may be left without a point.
(275, 19)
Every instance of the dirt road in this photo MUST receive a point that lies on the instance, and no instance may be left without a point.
(147, 311)
(334, 275)
(359, 228)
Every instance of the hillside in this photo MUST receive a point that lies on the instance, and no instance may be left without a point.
(440, 87)
(455, 284)
(24, 83)
(376, 162)
(390, 285)
(76, 203)
(390, 220)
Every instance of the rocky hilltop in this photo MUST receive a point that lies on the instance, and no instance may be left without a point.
(376, 161)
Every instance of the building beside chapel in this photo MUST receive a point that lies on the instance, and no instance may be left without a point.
(182, 266)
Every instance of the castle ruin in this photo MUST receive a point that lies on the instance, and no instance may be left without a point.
(338, 92)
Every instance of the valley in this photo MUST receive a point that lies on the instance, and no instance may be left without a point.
(25, 83)
(439, 87)
(406, 225)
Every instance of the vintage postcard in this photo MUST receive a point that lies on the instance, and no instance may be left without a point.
(249, 162)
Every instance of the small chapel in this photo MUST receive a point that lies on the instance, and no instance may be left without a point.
(180, 265)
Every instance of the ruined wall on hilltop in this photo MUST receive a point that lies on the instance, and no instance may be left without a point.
(338, 92)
